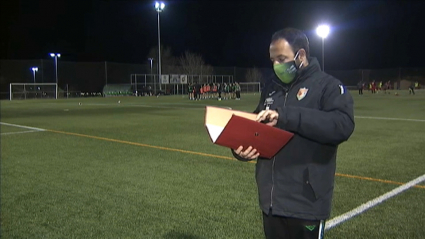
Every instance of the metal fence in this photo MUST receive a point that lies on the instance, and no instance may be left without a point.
(394, 75)
(93, 76)
(141, 82)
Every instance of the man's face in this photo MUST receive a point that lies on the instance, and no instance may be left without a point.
(281, 52)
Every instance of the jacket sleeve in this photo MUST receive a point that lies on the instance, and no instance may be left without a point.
(332, 124)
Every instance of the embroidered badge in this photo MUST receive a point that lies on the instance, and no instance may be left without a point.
(301, 93)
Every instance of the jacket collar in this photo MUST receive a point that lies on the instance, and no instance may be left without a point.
(312, 68)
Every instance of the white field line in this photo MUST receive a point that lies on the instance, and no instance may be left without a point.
(22, 126)
(156, 105)
(384, 118)
(163, 105)
(160, 106)
(140, 105)
(372, 203)
(20, 132)
(119, 105)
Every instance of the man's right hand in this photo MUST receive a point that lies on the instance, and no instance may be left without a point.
(249, 153)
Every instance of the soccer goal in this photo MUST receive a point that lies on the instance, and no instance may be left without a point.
(250, 87)
(23, 91)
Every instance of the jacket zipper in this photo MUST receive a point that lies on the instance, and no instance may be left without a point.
(286, 96)
(274, 158)
(271, 191)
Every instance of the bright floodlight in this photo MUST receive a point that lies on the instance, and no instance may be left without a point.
(52, 54)
(34, 69)
(59, 55)
(322, 31)
(159, 6)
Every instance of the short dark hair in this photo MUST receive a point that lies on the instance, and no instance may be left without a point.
(296, 39)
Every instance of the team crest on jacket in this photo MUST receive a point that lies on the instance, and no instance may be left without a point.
(301, 93)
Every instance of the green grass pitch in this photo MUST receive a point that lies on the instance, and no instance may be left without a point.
(146, 168)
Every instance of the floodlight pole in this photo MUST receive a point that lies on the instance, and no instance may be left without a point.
(34, 69)
(56, 55)
(159, 6)
(56, 68)
(154, 82)
(323, 54)
(323, 31)
(159, 54)
(33, 73)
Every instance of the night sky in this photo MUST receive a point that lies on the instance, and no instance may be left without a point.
(364, 34)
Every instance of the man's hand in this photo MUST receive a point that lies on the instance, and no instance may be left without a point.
(249, 153)
(270, 115)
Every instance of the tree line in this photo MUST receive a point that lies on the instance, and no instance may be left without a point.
(190, 63)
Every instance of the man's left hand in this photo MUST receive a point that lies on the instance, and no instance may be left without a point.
(270, 115)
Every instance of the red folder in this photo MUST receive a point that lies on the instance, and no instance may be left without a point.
(232, 129)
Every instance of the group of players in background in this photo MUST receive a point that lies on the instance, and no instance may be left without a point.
(219, 91)
(374, 87)
(380, 86)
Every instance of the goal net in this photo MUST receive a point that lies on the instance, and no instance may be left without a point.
(23, 91)
(250, 87)
(117, 90)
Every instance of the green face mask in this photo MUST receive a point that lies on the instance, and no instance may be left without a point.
(286, 71)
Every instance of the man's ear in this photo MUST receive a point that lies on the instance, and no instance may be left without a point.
(302, 55)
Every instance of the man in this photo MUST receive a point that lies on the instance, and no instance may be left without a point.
(232, 91)
(237, 91)
(387, 87)
(214, 90)
(190, 90)
(360, 87)
(373, 87)
(225, 90)
(219, 89)
(412, 89)
(207, 91)
(150, 90)
(296, 185)
(197, 91)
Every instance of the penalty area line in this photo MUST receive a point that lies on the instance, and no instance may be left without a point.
(385, 118)
(22, 126)
(20, 132)
(372, 203)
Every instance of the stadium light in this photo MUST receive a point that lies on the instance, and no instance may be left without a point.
(159, 7)
(323, 32)
(56, 55)
(34, 69)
